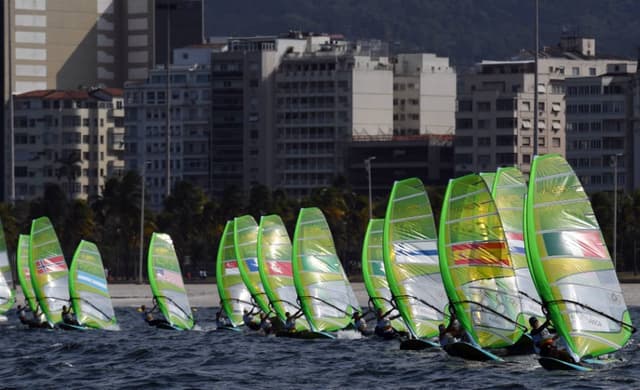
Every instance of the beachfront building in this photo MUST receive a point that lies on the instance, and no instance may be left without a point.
(74, 138)
(146, 121)
(424, 95)
(495, 113)
(600, 128)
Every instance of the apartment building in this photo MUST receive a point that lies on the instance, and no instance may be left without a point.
(189, 122)
(494, 118)
(424, 95)
(71, 137)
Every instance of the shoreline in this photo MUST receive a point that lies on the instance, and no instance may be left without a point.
(206, 294)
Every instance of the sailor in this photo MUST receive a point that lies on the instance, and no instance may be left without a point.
(147, 315)
(546, 344)
(383, 325)
(221, 320)
(290, 321)
(21, 311)
(457, 333)
(265, 323)
(360, 324)
(67, 316)
(444, 337)
(247, 319)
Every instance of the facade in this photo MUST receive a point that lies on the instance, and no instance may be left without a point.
(181, 22)
(70, 44)
(189, 123)
(494, 118)
(424, 95)
(428, 157)
(74, 138)
(599, 124)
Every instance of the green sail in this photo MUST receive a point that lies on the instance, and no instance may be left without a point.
(165, 278)
(477, 270)
(489, 178)
(245, 235)
(24, 275)
(234, 295)
(88, 289)
(508, 191)
(7, 295)
(48, 270)
(276, 272)
(570, 263)
(373, 273)
(411, 259)
(326, 296)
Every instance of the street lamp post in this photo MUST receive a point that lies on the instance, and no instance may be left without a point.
(614, 162)
(367, 164)
(141, 260)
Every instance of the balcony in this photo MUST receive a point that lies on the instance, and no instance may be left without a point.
(115, 139)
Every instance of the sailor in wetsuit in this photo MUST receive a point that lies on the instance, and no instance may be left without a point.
(265, 323)
(68, 317)
(361, 324)
(544, 343)
(290, 321)
(247, 319)
(147, 315)
(221, 320)
(383, 325)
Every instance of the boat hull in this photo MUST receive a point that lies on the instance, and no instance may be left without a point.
(416, 344)
(470, 352)
(551, 364)
(306, 335)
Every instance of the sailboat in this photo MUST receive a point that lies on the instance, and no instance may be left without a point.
(48, 270)
(235, 298)
(411, 263)
(245, 234)
(276, 272)
(167, 286)
(88, 289)
(325, 294)
(7, 295)
(571, 266)
(477, 271)
(508, 191)
(24, 275)
(374, 276)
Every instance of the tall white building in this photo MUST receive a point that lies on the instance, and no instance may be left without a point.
(74, 138)
(146, 122)
(494, 119)
(424, 95)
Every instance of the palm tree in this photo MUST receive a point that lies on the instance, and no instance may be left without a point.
(70, 168)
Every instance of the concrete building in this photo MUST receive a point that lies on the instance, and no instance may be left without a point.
(494, 119)
(74, 138)
(424, 95)
(599, 128)
(67, 44)
(177, 24)
(189, 123)
(428, 157)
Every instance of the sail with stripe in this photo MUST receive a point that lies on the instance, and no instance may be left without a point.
(570, 263)
(88, 288)
(245, 236)
(489, 178)
(373, 273)
(477, 271)
(326, 296)
(167, 285)
(275, 268)
(7, 295)
(234, 295)
(509, 190)
(24, 275)
(411, 259)
(48, 270)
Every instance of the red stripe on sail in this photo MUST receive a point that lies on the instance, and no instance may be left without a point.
(280, 268)
(481, 253)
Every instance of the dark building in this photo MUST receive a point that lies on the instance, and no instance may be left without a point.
(428, 157)
(185, 24)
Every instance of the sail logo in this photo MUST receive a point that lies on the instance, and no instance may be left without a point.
(252, 264)
(279, 268)
(169, 277)
(377, 268)
(419, 251)
(231, 268)
(92, 280)
(580, 244)
(489, 253)
(53, 264)
(516, 242)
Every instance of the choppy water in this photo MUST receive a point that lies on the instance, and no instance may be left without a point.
(140, 356)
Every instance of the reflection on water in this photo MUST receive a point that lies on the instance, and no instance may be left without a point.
(140, 356)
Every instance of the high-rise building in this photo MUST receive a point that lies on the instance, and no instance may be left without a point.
(495, 113)
(70, 44)
(71, 137)
(178, 23)
(424, 95)
(189, 122)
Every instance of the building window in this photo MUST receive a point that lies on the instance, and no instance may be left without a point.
(555, 142)
(592, 71)
(463, 105)
(526, 141)
(541, 141)
(506, 104)
(464, 123)
(575, 71)
(526, 159)
(506, 140)
(484, 123)
(506, 158)
(484, 141)
(464, 141)
(505, 123)
(483, 106)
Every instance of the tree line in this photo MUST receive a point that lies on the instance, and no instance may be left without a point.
(195, 221)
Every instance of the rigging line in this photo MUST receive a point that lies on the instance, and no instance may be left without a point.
(282, 300)
(530, 297)
(605, 315)
(328, 303)
(524, 328)
(421, 301)
(109, 318)
(238, 300)
(189, 315)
